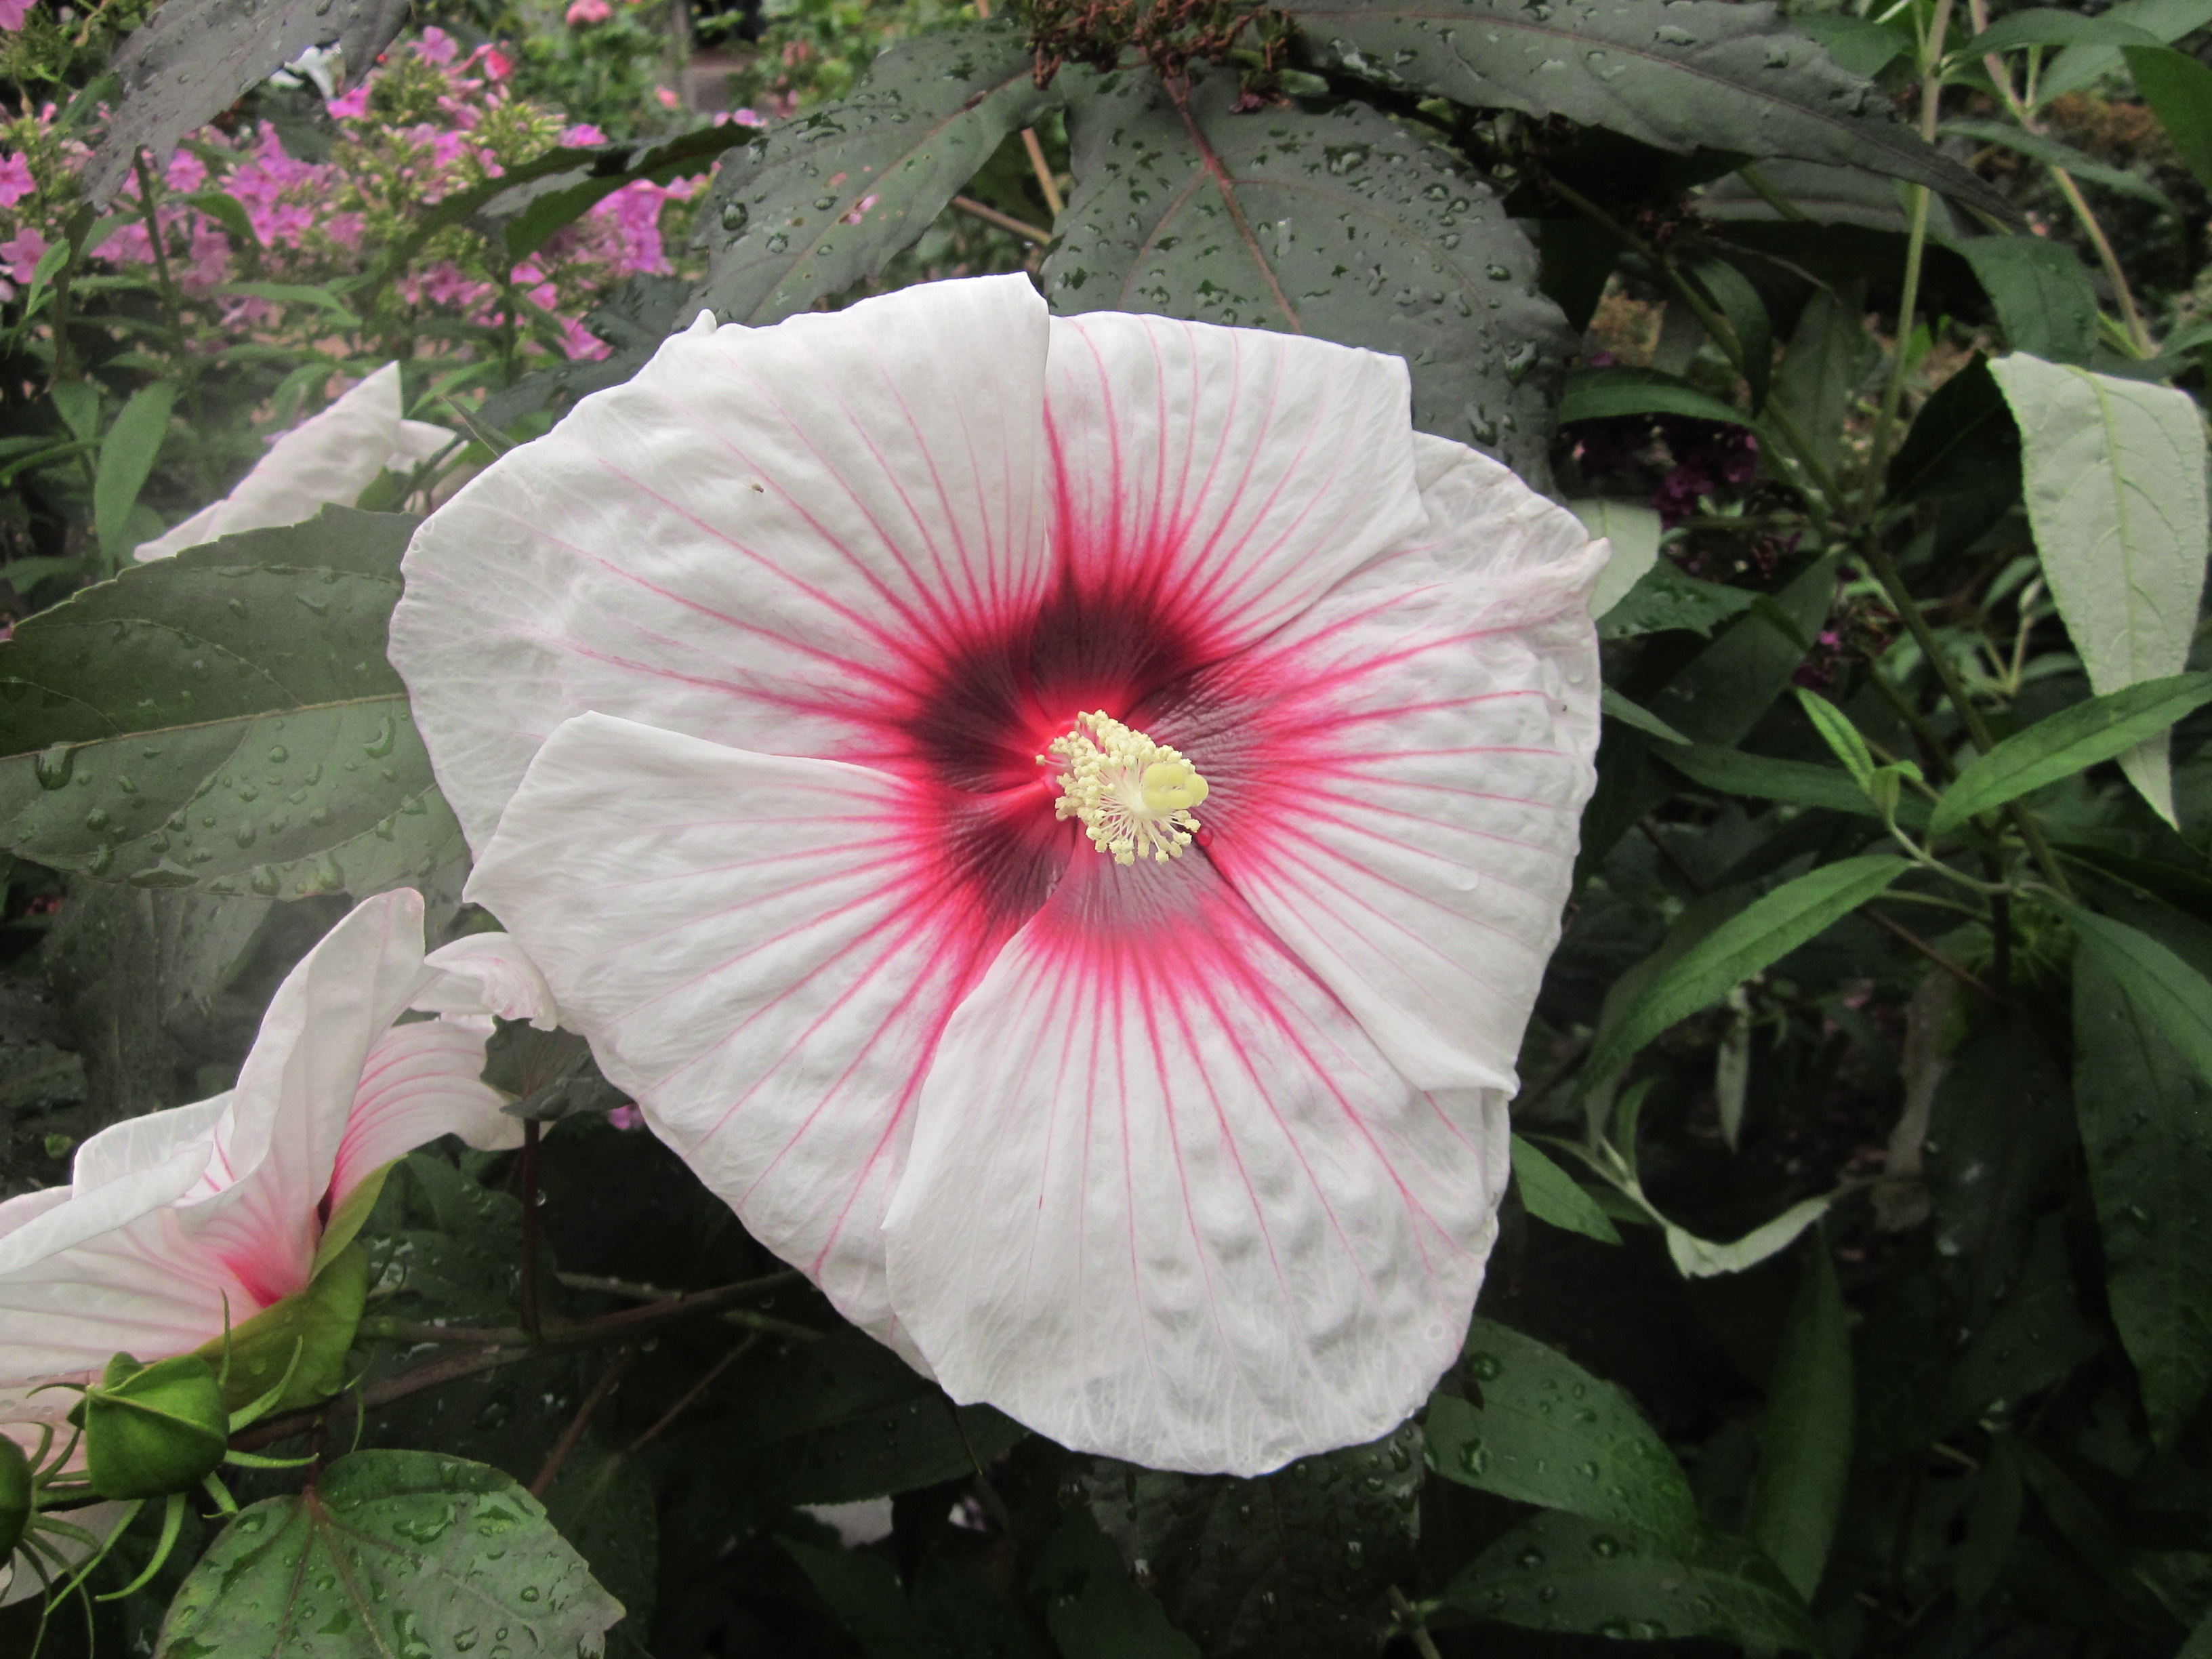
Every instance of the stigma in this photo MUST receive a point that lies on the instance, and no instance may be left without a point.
(1132, 795)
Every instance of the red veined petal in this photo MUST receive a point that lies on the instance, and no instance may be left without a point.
(421, 1080)
(1397, 777)
(763, 950)
(1166, 1201)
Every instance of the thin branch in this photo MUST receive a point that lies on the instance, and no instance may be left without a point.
(991, 215)
(573, 1436)
(1409, 1621)
(631, 1290)
(692, 1395)
(1042, 169)
(527, 1300)
(1905, 935)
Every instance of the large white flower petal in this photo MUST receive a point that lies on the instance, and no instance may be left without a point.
(763, 950)
(1398, 776)
(420, 1081)
(1230, 475)
(1165, 1201)
(328, 458)
(768, 537)
(482, 975)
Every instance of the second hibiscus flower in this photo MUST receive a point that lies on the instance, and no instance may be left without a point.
(1060, 821)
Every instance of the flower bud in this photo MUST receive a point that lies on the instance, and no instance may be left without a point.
(152, 1430)
(15, 1496)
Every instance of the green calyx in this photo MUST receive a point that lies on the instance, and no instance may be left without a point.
(305, 1336)
(15, 1496)
(151, 1429)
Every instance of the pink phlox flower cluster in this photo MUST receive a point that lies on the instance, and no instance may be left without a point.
(350, 106)
(581, 134)
(436, 46)
(582, 12)
(631, 219)
(13, 12)
(19, 257)
(281, 195)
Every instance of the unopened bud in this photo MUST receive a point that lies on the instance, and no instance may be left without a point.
(152, 1430)
(15, 1496)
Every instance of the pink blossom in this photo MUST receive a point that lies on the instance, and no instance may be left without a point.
(351, 106)
(436, 46)
(743, 118)
(582, 133)
(580, 344)
(209, 260)
(667, 97)
(19, 254)
(588, 11)
(626, 1116)
(186, 172)
(13, 12)
(497, 66)
(16, 181)
(345, 229)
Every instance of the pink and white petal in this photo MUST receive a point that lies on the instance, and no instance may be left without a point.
(421, 1080)
(1397, 778)
(486, 974)
(1224, 477)
(763, 951)
(256, 1206)
(139, 1143)
(770, 537)
(1166, 1201)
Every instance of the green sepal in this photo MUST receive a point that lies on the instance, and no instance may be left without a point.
(15, 1495)
(307, 1335)
(153, 1429)
(346, 1221)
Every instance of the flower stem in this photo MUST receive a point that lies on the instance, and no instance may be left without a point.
(573, 1436)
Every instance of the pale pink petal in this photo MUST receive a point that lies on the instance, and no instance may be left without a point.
(1397, 777)
(421, 1080)
(1165, 1201)
(1221, 479)
(763, 950)
(256, 1205)
(774, 538)
(329, 457)
(481, 974)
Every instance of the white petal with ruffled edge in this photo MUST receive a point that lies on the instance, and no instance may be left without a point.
(755, 540)
(1167, 1202)
(1398, 777)
(1238, 473)
(421, 1080)
(482, 975)
(761, 953)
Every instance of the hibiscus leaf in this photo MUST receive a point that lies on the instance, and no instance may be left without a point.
(388, 1552)
(1538, 1428)
(1567, 1573)
(1345, 225)
(1746, 944)
(194, 58)
(818, 204)
(1681, 75)
(225, 721)
(1295, 1564)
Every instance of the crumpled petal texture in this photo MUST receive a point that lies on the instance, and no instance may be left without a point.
(172, 1218)
(739, 682)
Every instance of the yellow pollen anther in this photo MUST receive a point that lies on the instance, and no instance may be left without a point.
(1132, 795)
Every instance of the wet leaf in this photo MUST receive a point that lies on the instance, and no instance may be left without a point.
(1093, 1608)
(1604, 394)
(1962, 454)
(225, 721)
(1805, 1436)
(2068, 742)
(1681, 75)
(1665, 596)
(390, 1553)
(1544, 1430)
(1346, 226)
(2041, 293)
(812, 207)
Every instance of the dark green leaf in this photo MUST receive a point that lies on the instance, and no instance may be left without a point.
(390, 1553)
(1665, 597)
(1565, 1572)
(2179, 90)
(127, 455)
(247, 733)
(813, 206)
(2046, 26)
(2068, 742)
(557, 202)
(1805, 1437)
(1992, 1522)
(1681, 75)
(2041, 292)
(2086, 1527)
(603, 1504)
(2035, 1336)
(2176, 998)
(2145, 1122)
(2039, 147)
(1826, 360)
(195, 58)
(844, 1419)
(1618, 708)
(1292, 1565)
(1744, 944)
(1551, 1194)
(1963, 453)
(1092, 1608)
(1732, 292)
(1544, 1430)
(1346, 226)
(1798, 782)
(2081, 65)
(1602, 394)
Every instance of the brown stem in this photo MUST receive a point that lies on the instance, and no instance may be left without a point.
(991, 215)
(449, 1369)
(573, 1436)
(1178, 89)
(692, 1395)
(1039, 166)
(1905, 935)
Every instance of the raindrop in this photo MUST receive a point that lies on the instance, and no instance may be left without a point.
(1605, 1545)
(1485, 1367)
(264, 881)
(734, 216)
(96, 819)
(380, 745)
(53, 765)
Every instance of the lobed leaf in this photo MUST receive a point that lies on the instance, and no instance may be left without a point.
(390, 1552)
(1681, 75)
(2068, 742)
(225, 721)
(1541, 1430)
(1346, 225)
(815, 206)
